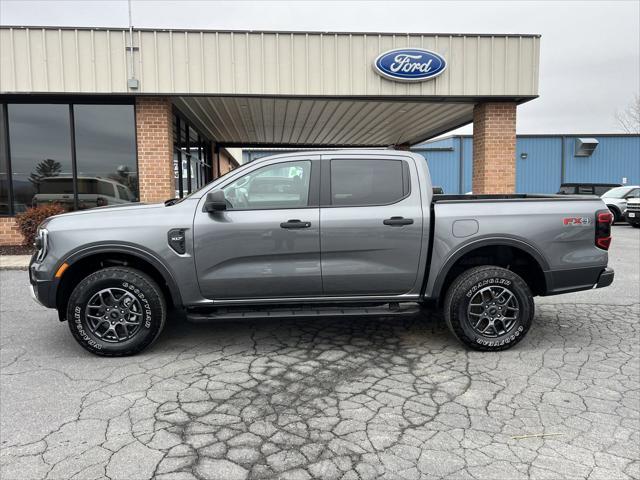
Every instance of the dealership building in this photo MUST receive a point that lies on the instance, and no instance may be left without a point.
(96, 116)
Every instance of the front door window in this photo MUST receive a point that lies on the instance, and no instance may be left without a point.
(282, 185)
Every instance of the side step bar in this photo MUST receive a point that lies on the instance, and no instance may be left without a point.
(235, 313)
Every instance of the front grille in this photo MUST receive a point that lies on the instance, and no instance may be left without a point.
(633, 208)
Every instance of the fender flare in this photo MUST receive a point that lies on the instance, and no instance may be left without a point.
(129, 249)
(487, 242)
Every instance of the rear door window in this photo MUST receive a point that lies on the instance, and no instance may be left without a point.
(356, 183)
(87, 186)
(106, 188)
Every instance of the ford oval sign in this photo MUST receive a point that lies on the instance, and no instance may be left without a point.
(410, 64)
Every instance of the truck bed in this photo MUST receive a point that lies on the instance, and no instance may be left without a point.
(536, 224)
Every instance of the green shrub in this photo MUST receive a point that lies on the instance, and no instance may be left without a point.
(28, 221)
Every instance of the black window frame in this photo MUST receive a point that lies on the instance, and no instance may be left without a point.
(326, 190)
(7, 152)
(203, 156)
(71, 101)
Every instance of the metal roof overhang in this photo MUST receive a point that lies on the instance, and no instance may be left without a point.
(323, 122)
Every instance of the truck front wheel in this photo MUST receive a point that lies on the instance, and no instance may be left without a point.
(116, 311)
(489, 308)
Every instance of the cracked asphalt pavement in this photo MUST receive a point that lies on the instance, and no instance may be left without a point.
(335, 398)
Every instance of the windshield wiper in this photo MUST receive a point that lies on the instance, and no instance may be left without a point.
(171, 201)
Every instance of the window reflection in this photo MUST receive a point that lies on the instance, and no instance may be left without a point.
(283, 185)
(40, 140)
(41, 156)
(105, 155)
(191, 158)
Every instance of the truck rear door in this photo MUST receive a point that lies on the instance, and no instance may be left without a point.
(371, 225)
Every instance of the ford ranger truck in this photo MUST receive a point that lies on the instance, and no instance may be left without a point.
(351, 232)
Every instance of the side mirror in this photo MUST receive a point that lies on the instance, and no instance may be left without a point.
(215, 202)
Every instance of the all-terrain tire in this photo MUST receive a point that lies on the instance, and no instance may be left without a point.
(116, 311)
(465, 317)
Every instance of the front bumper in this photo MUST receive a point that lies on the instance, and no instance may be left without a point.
(635, 220)
(43, 291)
(34, 297)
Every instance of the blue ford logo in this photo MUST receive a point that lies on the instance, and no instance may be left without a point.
(410, 64)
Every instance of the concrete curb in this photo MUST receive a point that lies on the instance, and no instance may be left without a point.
(14, 262)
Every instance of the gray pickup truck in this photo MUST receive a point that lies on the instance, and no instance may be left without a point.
(349, 232)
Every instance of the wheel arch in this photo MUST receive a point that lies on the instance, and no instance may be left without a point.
(500, 251)
(615, 209)
(91, 258)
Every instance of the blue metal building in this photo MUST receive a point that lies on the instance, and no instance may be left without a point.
(543, 162)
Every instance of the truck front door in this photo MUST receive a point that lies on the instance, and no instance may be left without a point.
(371, 225)
(267, 243)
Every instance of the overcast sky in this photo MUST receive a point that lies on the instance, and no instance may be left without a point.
(590, 51)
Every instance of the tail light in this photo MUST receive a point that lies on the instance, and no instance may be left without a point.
(101, 202)
(603, 229)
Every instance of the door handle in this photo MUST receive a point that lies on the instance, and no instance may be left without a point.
(295, 224)
(398, 221)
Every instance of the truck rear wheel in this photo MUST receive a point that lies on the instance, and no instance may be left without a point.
(116, 311)
(489, 308)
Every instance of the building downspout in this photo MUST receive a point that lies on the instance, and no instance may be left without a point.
(132, 81)
(216, 152)
(562, 160)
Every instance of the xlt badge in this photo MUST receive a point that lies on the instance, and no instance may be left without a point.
(176, 239)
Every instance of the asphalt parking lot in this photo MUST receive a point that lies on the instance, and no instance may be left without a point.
(339, 398)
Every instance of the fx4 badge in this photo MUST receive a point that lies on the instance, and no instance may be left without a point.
(576, 221)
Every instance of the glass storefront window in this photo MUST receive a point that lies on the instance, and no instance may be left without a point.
(40, 142)
(191, 158)
(77, 155)
(105, 154)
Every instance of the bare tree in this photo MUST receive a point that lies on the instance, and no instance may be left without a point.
(629, 117)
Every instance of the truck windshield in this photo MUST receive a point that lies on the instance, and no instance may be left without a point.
(618, 192)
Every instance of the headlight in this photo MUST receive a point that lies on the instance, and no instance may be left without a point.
(41, 244)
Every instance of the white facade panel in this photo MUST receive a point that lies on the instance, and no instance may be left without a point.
(52, 60)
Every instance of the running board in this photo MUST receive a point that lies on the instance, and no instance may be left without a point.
(235, 313)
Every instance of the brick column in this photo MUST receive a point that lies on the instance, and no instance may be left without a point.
(154, 130)
(9, 233)
(494, 148)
